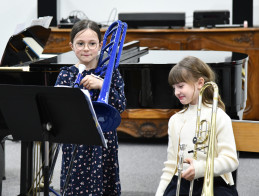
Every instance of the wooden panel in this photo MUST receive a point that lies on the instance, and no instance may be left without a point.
(148, 123)
(144, 128)
(148, 113)
(246, 135)
(160, 44)
(58, 41)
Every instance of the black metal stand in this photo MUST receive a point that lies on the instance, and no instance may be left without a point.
(47, 114)
(1, 165)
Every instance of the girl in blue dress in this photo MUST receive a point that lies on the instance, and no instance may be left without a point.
(95, 169)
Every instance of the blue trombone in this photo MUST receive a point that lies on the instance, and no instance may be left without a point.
(108, 117)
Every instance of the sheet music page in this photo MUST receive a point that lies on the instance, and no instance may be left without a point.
(42, 21)
(19, 28)
(88, 98)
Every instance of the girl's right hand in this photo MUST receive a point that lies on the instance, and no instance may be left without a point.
(91, 82)
(189, 173)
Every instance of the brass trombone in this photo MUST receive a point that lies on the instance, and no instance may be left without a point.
(180, 167)
(199, 140)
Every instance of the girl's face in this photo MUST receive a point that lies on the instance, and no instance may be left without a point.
(86, 47)
(188, 93)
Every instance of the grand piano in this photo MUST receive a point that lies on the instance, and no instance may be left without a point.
(150, 99)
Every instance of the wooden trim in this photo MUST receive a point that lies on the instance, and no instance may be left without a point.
(55, 29)
(148, 113)
(246, 135)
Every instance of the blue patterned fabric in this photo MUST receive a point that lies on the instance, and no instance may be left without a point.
(95, 169)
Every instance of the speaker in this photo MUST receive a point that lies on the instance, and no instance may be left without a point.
(48, 8)
(142, 20)
(210, 18)
(242, 10)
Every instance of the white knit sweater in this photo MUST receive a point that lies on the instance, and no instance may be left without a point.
(181, 128)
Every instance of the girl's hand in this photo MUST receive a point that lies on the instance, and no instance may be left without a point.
(189, 174)
(91, 82)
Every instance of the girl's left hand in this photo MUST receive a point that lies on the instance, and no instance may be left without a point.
(91, 82)
(189, 173)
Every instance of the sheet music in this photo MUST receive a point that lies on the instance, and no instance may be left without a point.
(19, 28)
(88, 99)
(42, 21)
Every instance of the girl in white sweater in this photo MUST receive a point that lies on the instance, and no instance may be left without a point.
(187, 79)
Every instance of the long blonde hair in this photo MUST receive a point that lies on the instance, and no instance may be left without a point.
(189, 70)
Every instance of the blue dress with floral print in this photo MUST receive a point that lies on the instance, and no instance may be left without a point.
(95, 168)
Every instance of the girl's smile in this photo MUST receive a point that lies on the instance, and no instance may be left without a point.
(188, 93)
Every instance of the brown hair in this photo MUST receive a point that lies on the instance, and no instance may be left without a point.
(189, 70)
(85, 24)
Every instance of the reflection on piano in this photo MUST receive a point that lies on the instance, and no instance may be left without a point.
(150, 99)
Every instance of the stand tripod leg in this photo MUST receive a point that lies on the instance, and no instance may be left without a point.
(46, 169)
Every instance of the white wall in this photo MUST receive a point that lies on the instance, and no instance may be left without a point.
(13, 12)
(99, 10)
(256, 12)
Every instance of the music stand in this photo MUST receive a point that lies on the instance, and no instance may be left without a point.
(49, 114)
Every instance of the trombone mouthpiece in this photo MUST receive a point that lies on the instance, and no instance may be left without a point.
(81, 68)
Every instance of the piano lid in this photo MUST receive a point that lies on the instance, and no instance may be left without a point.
(152, 58)
(164, 57)
(25, 47)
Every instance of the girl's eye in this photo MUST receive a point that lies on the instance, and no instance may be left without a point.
(179, 86)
